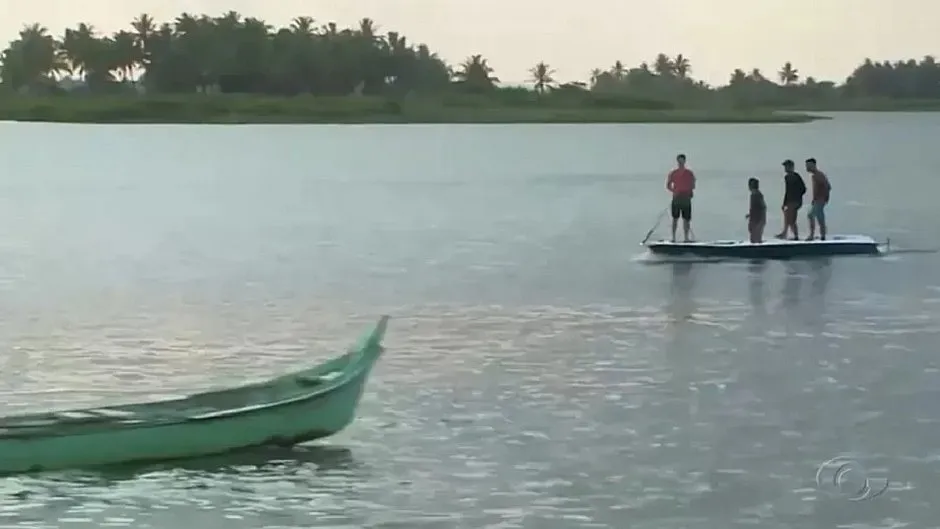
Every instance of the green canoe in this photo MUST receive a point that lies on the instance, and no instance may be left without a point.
(287, 410)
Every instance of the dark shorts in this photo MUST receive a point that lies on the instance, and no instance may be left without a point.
(789, 213)
(755, 229)
(682, 207)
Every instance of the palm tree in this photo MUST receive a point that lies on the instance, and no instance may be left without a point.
(681, 66)
(330, 29)
(788, 74)
(476, 74)
(542, 77)
(619, 71)
(33, 60)
(303, 26)
(78, 49)
(127, 53)
(368, 29)
(186, 25)
(663, 65)
(144, 29)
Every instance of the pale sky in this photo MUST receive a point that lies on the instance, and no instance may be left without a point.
(823, 38)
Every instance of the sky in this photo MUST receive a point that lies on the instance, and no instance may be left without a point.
(823, 38)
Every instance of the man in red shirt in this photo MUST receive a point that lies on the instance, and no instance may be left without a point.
(681, 183)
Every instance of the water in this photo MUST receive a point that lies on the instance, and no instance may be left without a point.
(540, 373)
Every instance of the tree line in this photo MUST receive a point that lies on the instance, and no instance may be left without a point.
(235, 54)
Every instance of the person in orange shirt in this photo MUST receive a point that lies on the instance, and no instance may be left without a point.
(681, 183)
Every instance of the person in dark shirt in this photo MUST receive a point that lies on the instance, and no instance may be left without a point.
(794, 189)
(756, 213)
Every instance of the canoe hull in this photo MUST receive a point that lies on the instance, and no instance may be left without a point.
(291, 418)
(771, 249)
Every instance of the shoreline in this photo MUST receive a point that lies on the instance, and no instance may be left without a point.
(220, 109)
(867, 105)
(237, 109)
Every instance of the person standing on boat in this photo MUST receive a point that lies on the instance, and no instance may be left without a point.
(757, 212)
(817, 209)
(681, 183)
(794, 189)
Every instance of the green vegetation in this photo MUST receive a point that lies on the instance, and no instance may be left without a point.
(231, 69)
(234, 108)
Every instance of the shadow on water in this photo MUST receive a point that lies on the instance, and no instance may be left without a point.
(807, 305)
(255, 461)
(821, 273)
(792, 287)
(756, 278)
(681, 305)
(276, 483)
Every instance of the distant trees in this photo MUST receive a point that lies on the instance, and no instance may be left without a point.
(231, 53)
(898, 80)
(670, 77)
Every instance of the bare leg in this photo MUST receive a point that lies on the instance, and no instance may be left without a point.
(786, 224)
(686, 227)
(675, 224)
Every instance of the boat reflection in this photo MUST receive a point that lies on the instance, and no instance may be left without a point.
(283, 461)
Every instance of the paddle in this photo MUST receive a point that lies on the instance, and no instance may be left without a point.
(658, 220)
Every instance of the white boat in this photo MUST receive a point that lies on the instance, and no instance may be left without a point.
(770, 248)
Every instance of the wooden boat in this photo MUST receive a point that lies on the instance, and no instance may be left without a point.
(283, 411)
(769, 249)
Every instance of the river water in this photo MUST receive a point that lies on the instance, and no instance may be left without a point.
(540, 373)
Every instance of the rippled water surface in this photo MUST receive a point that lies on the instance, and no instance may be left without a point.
(540, 373)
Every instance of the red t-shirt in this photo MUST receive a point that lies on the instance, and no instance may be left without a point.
(681, 181)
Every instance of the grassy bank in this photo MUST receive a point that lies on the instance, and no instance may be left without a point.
(200, 108)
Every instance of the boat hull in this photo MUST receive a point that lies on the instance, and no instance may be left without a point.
(283, 414)
(770, 249)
